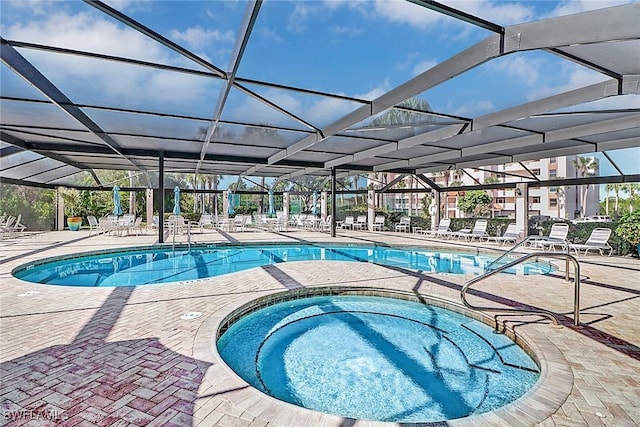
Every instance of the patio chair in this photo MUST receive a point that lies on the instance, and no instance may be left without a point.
(510, 235)
(404, 224)
(361, 222)
(176, 224)
(557, 237)
(598, 240)
(106, 225)
(206, 220)
(136, 226)
(17, 225)
(7, 227)
(378, 223)
(93, 224)
(325, 224)
(441, 231)
(479, 230)
(348, 223)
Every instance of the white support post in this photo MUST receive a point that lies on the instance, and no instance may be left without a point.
(522, 208)
(149, 195)
(371, 209)
(225, 204)
(60, 210)
(323, 204)
(285, 206)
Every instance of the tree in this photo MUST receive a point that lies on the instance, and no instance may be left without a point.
(585, 167)
(408, 112)
(472, 201)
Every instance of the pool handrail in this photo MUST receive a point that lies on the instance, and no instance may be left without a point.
(533, 239)
(543, 312)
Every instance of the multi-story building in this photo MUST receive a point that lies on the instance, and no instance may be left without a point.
(556, 202)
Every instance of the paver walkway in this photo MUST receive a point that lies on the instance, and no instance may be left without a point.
(124, 356)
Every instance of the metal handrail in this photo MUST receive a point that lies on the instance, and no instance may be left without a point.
(546, 313)
(540, 239)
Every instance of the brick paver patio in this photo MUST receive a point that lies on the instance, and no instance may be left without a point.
(124, 356)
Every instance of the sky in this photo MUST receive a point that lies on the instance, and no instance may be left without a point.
(354, 48)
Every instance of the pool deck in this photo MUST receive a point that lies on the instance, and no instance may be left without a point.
(125, 356)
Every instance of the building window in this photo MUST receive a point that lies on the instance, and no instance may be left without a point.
(553, 203)
(535, 199)
(553, 173)
(500, 200)
(553, 189)
(536, 172)
(552, 160)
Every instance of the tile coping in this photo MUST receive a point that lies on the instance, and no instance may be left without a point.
(537, 404)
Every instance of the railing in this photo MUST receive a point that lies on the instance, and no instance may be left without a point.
(541, 239)
(546, 313)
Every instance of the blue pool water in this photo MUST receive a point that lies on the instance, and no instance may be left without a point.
(156, 265)
(377, 358)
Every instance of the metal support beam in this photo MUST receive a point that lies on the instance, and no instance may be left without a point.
(334, 209)
(161, 196)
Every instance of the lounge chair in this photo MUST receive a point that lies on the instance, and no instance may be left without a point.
(479, 230)
(557, 237)
(93, 223)
(510, 235)
(348, 223)
(598, 240)
(206, 220)
(378, 223)
(136, 226)
(404, 224)
(361, 222)
(441, 231)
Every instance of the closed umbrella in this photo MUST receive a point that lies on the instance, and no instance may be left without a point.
(272, 210)
(314, 209)
(176, 200)
(230, 209)
(117, 207)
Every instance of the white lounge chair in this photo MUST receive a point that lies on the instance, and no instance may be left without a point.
(479, 230)
(361, 222)
(206, 220)
(598, 241)
(404, 224)
(348, 223)
(378, 223)
(510, 235)
(93, 224)
(557, 237)
(441, 231)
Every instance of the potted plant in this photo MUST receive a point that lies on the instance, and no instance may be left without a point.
(71, 198)
(629, 228)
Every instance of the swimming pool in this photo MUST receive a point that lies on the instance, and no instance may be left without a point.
(374, 358)
(161, 264)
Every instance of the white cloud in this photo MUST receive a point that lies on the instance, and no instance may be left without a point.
(298, 19)
(86, 31)
(200, 38)
(576, 77)
(474, 108)
(521, 68)
(577, 6)
(138, 87)
(503, 13)
(423, 66)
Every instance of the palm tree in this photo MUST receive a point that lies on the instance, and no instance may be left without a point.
(585, 167)
(631, 189)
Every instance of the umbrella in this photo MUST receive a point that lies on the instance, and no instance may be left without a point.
(176, 200)
(272, 210)
(314, 209)
(117, 207)
(230, 209)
